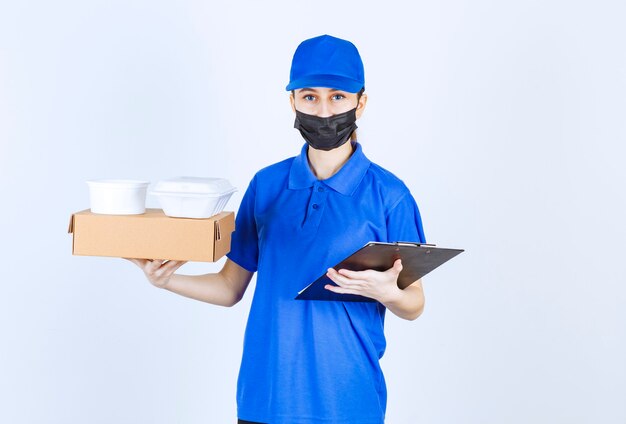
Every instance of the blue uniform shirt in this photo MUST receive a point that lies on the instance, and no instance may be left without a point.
(308, 362)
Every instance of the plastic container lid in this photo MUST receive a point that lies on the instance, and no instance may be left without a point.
(194, 185)
(115, 183)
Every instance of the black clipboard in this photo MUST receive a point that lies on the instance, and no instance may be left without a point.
(418, 259)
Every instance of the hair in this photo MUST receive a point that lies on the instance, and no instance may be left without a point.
(358, 97)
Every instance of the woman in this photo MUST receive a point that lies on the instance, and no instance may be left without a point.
(313, 361)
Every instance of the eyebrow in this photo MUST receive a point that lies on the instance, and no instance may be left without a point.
(332, 90)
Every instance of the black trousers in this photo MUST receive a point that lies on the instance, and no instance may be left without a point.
(246, 422)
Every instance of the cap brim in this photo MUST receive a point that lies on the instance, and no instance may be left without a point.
(329, 81)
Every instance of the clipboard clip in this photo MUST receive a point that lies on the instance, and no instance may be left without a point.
(408, 243)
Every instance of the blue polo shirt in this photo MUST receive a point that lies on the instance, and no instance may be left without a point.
(308, 362)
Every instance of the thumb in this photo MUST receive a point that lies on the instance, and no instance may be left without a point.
(397, 265)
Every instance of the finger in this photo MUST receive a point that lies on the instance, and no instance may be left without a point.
(396, 268)
(345, 273)
(347, 282)
(164, 267)
(339, 290)
(154, 264)
(332, 277)
(357, 275)
(337, 278)
(178, 266)
(173, 265)
(139, 262)
(398, 265)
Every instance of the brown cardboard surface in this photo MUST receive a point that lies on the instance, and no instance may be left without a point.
(152, 235)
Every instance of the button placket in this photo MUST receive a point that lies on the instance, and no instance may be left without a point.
(316, 206)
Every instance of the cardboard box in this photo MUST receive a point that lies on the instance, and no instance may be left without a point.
(152, 235)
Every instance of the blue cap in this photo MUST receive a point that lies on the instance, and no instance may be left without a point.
(327, 61)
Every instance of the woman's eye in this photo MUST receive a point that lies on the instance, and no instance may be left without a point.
(309, 98)
(338, 97)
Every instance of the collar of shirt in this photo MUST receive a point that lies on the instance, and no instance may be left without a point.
(345, 181)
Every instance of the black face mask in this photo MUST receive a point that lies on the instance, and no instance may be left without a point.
(326, 133)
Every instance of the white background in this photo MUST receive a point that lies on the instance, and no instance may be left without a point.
(505, 119)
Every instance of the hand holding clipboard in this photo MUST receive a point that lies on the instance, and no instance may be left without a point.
(417, 260)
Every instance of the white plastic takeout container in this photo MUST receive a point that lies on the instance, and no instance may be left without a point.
(193, 197)
(118, 197)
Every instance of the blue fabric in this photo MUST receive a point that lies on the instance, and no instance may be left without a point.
(327, 61)
(308, 362)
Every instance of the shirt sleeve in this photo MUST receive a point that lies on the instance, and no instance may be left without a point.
(244, 244)
(404, 222)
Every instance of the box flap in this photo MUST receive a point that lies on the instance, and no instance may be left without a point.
(224, 222)
(224, 226)
(70, 229)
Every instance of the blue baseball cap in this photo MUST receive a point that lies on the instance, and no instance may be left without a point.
(327, 61)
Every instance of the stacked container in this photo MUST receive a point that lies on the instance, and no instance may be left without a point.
(193, 197)
(180, 197)
(118, 197)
